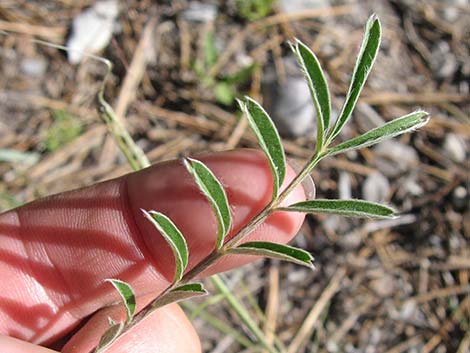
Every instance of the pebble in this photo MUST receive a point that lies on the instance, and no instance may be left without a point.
(290, 6)
(460, 198)
(455, 148)
(384, 286)
(376, 188)
(394, 157)
(443, 62)
(92, 29)
(35, 67)
(344, 186)
(199, 12)
(290, 106)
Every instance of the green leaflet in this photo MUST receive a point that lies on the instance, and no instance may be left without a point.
(391, 129)
(268, 138)
(179, 293)
(318, 87)
(127, 295)
(111, 334)
(352, 208)
(364, 63)
(274, 250)
(215, 193)
(173, 237)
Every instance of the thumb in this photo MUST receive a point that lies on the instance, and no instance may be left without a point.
(56, 252)
(14, 345)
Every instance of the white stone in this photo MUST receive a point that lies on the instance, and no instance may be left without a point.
(376, 188)
(92, 30)
(199, 12)
(455, 148)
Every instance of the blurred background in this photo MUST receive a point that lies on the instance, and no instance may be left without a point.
(398, 285)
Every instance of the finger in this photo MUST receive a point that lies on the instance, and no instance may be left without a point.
(56, 252)
(14, 345)
(167, 330)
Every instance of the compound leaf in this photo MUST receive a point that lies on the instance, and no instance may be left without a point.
(364, 63)
(318, 87)
(127, 295)
(268, 138)
(173, 237)
(179, 293)
(351, 208)
(274, 250)
(215, 193)
(391, 129)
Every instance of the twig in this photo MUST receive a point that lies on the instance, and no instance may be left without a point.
(136, 70)
(272, 303)
(420, 98)
(242, 313)
(312, 317)
(46, 32)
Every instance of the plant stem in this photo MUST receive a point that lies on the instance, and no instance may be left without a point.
(138, 160)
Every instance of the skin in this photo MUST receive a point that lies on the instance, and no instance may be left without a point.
(56, 252)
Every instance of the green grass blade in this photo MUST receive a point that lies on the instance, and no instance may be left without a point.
(268, 138)
(391, 129)
(275, 251)
(351, 208)
(127, 295)
(318, 88)
(173, 237)
(364, 63)
(215, 193)
(179, 293)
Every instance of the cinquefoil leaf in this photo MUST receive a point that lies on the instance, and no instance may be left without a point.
(351, 208)
(391, 129)
(268, 138)
(173, 237)
(215, 193)
(127, 295)
(275, 251)
(364, 63)
(179, 293)
(318, 87)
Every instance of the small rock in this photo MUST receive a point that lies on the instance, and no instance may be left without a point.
(35, 67)
(455, 147)
(460, 198)
(384, 286)
(300, 5)
(376, 188)
(443, 62)
(290, 107)
(451, 9)
(92, 29)
(408, 310)
(344, 186)
(199, 12)
(395, 157)
(412, 187)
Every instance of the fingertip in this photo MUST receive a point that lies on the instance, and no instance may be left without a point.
(166, 330)
(14, 345)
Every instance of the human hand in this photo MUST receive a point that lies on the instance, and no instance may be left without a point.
(55, 254)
